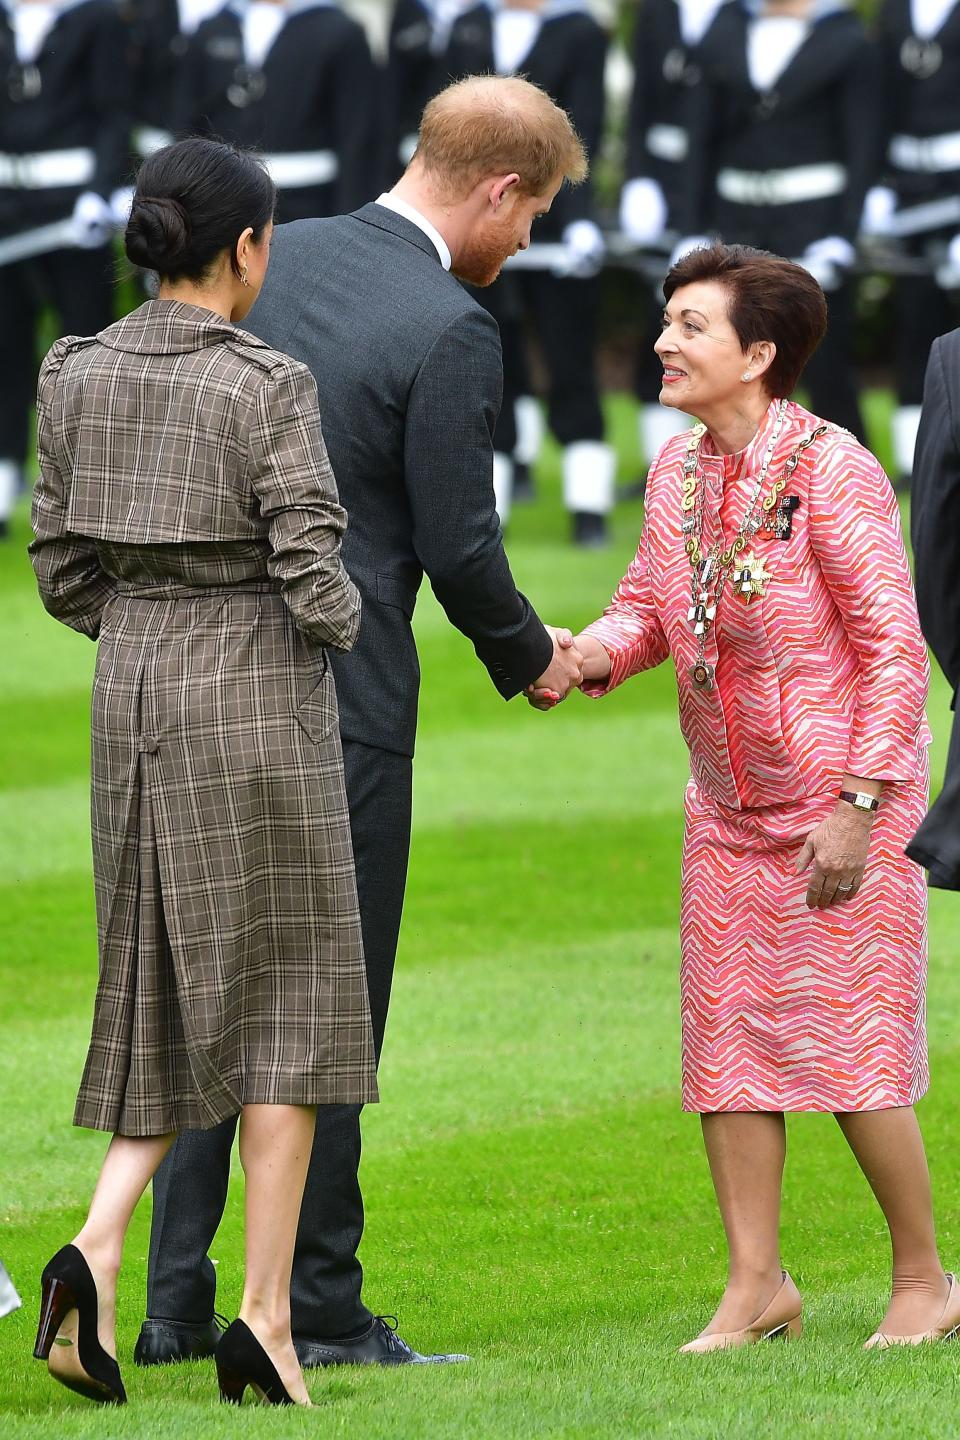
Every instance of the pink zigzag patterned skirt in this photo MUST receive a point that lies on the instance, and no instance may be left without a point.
(785, 1008)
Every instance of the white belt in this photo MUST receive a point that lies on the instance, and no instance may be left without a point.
(150, 138)
(782, 187)
(49, 170)
(303, 167)
(933, 154)
(668, 142)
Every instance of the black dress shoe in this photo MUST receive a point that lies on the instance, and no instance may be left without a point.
(165, 1342)
(380, 1345)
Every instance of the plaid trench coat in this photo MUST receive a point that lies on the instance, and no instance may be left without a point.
(187, 515)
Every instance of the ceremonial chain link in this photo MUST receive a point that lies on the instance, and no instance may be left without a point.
(710, 572)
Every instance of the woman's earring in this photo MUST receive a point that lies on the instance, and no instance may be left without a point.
(746, 376)
(243, 276)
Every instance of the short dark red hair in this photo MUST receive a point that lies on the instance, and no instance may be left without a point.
(769, 299)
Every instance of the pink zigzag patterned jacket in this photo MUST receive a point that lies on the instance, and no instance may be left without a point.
(827, 673)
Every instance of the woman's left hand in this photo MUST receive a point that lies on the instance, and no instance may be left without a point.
(837, 849)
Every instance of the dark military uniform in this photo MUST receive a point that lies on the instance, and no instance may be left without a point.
(64, 133)
(789, 167)
(666, 45)
(921, 157)
(310, 105)
(158, 43)
(567, 59)
(416, 71)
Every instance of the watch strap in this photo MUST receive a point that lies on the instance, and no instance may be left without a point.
(859, 800)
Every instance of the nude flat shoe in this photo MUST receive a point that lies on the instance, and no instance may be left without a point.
(780, 1321)
(945, 1329)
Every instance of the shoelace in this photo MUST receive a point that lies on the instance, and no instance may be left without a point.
(220, 1321)
(391, 1325)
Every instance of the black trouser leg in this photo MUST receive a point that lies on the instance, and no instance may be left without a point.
(79, 285)
(191, 1186)
(565, 314)
(189, 1195)
(19, 308)
(923, 312)
(327, 1276)
(830, 376)
(504, 302)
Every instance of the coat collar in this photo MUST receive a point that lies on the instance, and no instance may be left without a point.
(749, 460)
(389, 220)
(172, 327)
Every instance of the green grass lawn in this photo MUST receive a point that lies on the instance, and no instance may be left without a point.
(535, 1195)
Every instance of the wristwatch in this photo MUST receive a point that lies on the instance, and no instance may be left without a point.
(859, 800)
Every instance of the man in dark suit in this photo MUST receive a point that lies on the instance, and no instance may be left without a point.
(935, 531)
(409, 372)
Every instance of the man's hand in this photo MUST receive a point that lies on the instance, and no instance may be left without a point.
(563, 674)
(837, 848)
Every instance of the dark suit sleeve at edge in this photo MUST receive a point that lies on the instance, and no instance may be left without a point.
(935, 516)
(448, 457)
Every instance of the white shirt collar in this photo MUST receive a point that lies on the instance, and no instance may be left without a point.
(400, 207)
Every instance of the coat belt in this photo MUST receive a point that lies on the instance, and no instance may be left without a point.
(930, 154)
(48, 170)
(302, 167)
(782, 187)
(130, 590)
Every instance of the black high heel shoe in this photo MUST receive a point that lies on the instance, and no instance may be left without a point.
(242, 1361)
(76, 1359)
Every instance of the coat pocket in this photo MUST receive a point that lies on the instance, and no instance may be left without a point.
(317, 712)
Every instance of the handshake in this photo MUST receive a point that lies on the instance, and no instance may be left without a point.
(564, 673)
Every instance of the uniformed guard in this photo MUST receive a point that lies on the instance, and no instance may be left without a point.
(920, 199)
(559, 46)
(65, 110)
(160, 33)
(416, 71)
(782, 152)
(666, 40)
(296, 79)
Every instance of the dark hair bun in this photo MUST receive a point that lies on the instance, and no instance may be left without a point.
(158, 233)
(194, 200)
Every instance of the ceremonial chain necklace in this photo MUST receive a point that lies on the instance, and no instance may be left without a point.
(710, 572)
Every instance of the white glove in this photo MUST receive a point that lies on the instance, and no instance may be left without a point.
(827, 259)
(585, 247)
(879, 209)
(688, 243)
(120, 204)
(92, 221)
(643, 211)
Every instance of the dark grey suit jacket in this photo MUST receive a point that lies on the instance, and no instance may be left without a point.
(935, 531)
(410, 378)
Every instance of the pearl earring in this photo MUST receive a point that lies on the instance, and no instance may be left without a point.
(746, 376)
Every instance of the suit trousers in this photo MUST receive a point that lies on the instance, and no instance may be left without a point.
(79, 286)
(190, 1188)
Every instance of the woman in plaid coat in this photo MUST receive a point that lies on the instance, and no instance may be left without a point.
(187, 516)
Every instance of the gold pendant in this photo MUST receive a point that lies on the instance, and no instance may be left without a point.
(750, 578)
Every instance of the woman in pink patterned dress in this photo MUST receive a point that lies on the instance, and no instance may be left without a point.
(772, 571)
